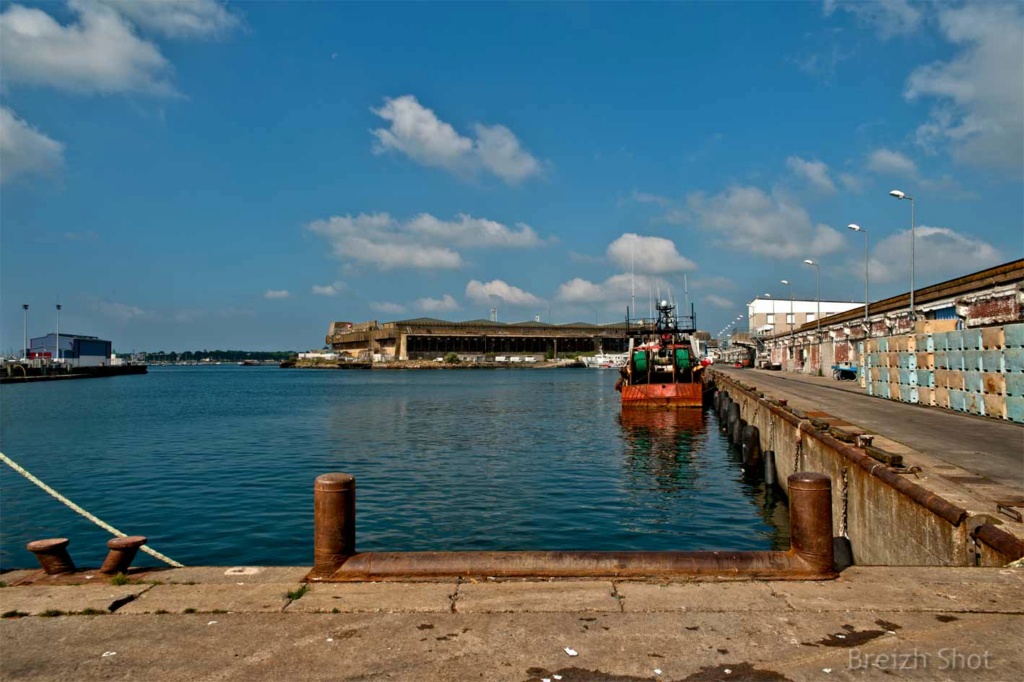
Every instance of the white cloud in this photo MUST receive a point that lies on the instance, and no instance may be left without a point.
(387, 307)
(118, 311)
(888, 162)
(979, 93)
(500, 152)
(612, 293)
(852, 183)
(651, 255)
(719, 301)
(468, 231)
(648, 198)
(99, 53)
(889, 17)
(580, 291)
(749, 219)
(332, 289)
(942, 253)
(497, 290)
(178, 18)
(276, 294)
(814, 172)
(721, 283)
(417, 132)
(437, 305)
(24, 150)
(424, 242)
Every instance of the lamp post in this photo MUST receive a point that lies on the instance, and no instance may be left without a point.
(792, 317)
(858, 228)
(817, 294)
(902, 195)
(56, 349)
(25, 306)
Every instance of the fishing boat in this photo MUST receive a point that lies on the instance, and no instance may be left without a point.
(663, 368)
(604, 361)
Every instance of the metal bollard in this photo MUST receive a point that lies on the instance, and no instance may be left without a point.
(122, 553)
(52, 555)
(769, 467)
(810, 519)
(334, 522)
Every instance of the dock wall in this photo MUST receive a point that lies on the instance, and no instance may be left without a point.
(889, 519)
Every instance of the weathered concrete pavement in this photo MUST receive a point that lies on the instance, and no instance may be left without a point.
(239, 624)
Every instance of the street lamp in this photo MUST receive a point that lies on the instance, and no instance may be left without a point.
(817, 293)
(858, 228)
(769, 296)
(902, 195)
(792, 317)
(24, 306)
(56, 349)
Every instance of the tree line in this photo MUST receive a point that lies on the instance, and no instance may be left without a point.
(219, 355)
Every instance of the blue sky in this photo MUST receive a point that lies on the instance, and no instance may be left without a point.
(194, 174)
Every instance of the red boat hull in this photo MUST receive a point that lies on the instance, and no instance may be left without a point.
(663, 395)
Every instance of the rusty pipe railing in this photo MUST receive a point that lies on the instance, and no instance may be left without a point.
(809, 557)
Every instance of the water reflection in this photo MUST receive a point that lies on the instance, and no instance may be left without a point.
(665, 445)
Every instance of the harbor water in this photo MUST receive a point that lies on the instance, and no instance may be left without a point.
(216, 464)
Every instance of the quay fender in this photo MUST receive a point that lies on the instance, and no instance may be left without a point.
(736, 435)
(751, 445)
(937, 505)
(732, 418)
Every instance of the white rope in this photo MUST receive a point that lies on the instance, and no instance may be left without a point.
(99, 522)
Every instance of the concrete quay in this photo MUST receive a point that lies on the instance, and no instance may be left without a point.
(987, 448)
(252, 623)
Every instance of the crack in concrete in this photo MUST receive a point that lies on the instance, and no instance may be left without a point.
(618, 597)
(454, 597)
(118, 603)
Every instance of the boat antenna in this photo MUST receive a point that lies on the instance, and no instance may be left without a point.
(686, 292)
(632, 276)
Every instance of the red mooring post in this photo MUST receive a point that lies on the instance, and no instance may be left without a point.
(53, 555)
(121, 553)
(810, 519)
(334, 522)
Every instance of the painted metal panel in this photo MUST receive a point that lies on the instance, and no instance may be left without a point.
(1013, 335)
(908, 377)
(958, 400)
(992, 338)
(1015, 409)
(992, 360)
(883, 344)
(941, 359)
(1013, 360)
(972, 381)
(955, 358)
(995, 406)
(973, 360)
(926, 378)
(972, 339)
(940, 341)
(993, 383)
(1014, 384)
(955, 340)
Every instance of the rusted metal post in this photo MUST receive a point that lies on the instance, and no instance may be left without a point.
(810, 519)
(334, 522)
(52, 555)
(122, 553)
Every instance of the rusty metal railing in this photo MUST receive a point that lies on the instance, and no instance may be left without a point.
(336, 560)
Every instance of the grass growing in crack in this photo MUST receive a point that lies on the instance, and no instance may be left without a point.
(120, 579)
(161, 612)
(13, 614)
(51, 613)
(189, 610)
(297, 594)
(91, 612)
(218, 611)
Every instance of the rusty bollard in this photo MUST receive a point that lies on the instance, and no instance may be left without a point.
(122, 553)
(52, 555)
(810, 519)
(334, 522)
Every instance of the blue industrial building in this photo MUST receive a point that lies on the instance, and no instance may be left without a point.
(76, 350)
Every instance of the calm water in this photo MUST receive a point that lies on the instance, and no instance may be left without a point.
(216, 464)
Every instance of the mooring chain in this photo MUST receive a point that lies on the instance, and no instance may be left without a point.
(846, 502)
(99, 522)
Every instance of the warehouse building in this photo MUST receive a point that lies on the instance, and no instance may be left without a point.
(427, 338)
(75, 350)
